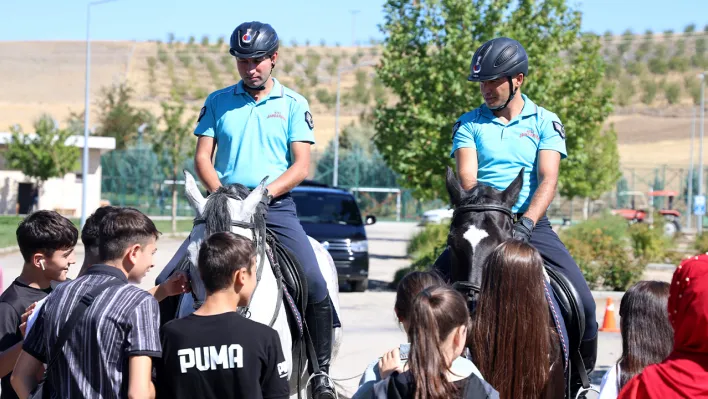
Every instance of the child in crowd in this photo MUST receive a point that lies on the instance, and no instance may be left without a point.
(46, 241)
(215, 353)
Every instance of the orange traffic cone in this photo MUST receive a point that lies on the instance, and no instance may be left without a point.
(609, 324)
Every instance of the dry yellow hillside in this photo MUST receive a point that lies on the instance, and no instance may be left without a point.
(37, 77)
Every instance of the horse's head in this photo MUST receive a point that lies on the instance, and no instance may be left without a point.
(482, 220)
(229, 208)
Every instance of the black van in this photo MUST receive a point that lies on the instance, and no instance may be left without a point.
(332, 217)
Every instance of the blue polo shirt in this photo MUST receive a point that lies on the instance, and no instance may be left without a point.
(504, 148)
(253, 138)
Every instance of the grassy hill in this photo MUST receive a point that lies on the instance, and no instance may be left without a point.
(655, 77)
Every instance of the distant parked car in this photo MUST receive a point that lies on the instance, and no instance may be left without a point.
(332, 217)
(436, 215)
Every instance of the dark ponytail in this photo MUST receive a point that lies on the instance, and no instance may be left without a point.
(437, 311)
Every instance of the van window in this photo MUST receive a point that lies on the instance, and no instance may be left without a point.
(315, 207)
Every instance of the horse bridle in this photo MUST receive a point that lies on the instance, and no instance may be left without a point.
(259, 242)
(482, 208)
(467, 287)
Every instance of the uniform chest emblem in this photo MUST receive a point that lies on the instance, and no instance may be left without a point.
(529, 133)
(277, 114)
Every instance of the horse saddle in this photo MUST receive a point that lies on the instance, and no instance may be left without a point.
(572, 311)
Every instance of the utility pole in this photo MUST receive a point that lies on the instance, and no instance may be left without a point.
(354, 12)
(690, 172)
(702, 76)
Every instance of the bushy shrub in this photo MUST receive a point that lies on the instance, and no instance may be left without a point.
(649, 242)
(701, 243)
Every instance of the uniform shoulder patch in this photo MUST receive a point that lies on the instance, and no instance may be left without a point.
(558, 127)
(201, 114)
(308, 119)
(456, 127)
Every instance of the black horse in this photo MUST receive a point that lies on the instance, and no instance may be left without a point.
(482, 219)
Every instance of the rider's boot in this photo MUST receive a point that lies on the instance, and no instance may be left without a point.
(319, 321)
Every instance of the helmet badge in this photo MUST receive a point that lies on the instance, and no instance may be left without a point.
(477, 65)
(246, 38)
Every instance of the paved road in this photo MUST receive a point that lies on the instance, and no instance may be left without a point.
(368, 318)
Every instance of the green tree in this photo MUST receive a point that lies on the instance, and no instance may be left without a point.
(118, 118)
(673, 92)
(205, 41)
(625, 90)
(44, 154)
(650, 90)
(173, 146)
(428, 45)
(689, 29)
(693, 87)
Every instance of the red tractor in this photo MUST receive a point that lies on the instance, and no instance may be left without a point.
(639, 207)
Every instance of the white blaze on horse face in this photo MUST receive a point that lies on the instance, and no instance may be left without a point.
(474, 235)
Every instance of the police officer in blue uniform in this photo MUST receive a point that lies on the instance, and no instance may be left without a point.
(493, 142)
(261, 128)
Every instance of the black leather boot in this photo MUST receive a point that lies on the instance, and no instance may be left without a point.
(318, 317)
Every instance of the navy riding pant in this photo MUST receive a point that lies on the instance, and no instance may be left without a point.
(556, 255)
(282, 220)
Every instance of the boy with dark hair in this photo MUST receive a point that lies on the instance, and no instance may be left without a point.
(46, 240)
(243, 358)
(109, 350)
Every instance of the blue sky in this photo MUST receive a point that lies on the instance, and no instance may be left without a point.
(294, 19)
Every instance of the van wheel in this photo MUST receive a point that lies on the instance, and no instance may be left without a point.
(360, 285)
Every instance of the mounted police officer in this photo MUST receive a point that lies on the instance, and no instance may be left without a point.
(508, 132)
(259, 127)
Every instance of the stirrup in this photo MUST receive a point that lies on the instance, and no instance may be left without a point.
(322, 373)
(583, 391)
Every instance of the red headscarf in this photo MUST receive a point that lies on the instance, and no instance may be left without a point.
(684, 373)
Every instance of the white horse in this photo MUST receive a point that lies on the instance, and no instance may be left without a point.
(265, 298)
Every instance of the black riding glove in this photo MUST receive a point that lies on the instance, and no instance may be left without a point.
(523, 229)
(266, 198)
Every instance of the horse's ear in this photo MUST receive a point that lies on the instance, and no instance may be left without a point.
(194, 196)
(511, 194)
(252, 201)
(454, 188)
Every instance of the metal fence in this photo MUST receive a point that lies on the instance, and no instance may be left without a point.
(135, 178)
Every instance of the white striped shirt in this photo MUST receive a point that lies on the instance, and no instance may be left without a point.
(123, 321)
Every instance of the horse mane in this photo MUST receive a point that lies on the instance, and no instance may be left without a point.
(481, 194)
(216, 213)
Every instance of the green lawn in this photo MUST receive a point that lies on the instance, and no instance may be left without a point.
(8, 227)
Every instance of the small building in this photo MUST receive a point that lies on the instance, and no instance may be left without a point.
(62, 194)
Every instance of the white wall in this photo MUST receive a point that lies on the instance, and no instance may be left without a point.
(58, 193)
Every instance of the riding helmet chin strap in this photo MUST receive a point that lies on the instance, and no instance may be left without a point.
(511, 97)
(262, 87)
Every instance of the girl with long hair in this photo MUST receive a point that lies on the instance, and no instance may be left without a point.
(512, 339)
(437, 331)
(684, 372)
(647, 336)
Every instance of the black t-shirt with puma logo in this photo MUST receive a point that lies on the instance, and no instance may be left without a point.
(224, 356)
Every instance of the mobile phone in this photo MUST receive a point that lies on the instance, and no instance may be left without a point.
(405, 350)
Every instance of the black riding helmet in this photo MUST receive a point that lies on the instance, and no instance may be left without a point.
(499, 57)
(253, 40)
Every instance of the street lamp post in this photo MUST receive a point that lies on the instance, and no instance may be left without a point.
(85, 161)
(335, 173)
(690, 172)
(702, 76)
